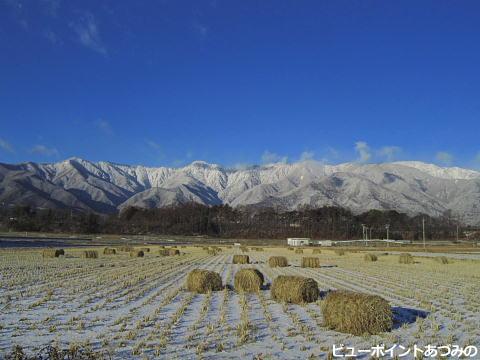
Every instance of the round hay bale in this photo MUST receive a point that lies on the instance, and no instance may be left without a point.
(52, 253)
(248, 280)
(357, 313)
(294, 289)
(90, 254)
(310, 262)
(298, 251)
(212, 252)
(137, 253)
(316, 251)
(278, 261)
(125, 248)
(244, 249)
(202, 281)
(145, 249)
(370, 257)
(109, 251)
(340, 252)
(241, 259)
(442, 260)
(405, 258)
(168, 252)
(290, 248)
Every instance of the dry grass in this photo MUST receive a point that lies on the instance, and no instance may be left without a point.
(405, 258)
(310, 262)
(90, 254)
(370, 257)
(244, 248)
(357, 313)
(109, 251)
(137, 253)
(294, 289)
(52, 253)
(241, 259)
(278, 261)
(248, 280)
(202, 281)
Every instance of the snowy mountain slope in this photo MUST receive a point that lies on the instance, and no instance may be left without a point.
(411, 187)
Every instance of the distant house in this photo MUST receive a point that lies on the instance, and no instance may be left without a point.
(298, 241)
(324, 242)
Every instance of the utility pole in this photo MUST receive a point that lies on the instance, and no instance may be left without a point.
(388, 228)
(364, 231)
(423, 230)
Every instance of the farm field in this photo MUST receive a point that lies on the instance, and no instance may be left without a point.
(125, 307)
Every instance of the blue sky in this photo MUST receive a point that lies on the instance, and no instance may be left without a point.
(240, 82)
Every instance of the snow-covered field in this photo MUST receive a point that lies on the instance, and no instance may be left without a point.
(137, 307)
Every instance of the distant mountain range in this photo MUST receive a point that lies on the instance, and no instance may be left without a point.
(410, 187)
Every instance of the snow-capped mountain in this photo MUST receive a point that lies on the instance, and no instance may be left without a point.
(409, 186)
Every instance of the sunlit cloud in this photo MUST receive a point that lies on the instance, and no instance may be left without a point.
(86, 29)
(5, 146)
(45, 151)
(444, 158)
(363, 151)
(270, 158)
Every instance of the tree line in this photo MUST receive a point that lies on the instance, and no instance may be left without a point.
(241, 222)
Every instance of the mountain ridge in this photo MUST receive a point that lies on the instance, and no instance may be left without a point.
(406, 186)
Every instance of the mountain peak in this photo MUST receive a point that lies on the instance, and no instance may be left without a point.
(453, 173)
(411, 187)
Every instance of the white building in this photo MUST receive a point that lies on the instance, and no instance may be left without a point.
(324, 242)
(298, 241)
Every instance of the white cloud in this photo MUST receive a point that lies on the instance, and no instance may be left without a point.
(307, 155)
(44, 150)
(201, 30)
(51, 36)
(104, 126)
(5, 146)
(389, 152)
(241, 166)
(87, 32)
(477, 158)
(444, 157)
(270, 158)
(154, 145)
(363, 150)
